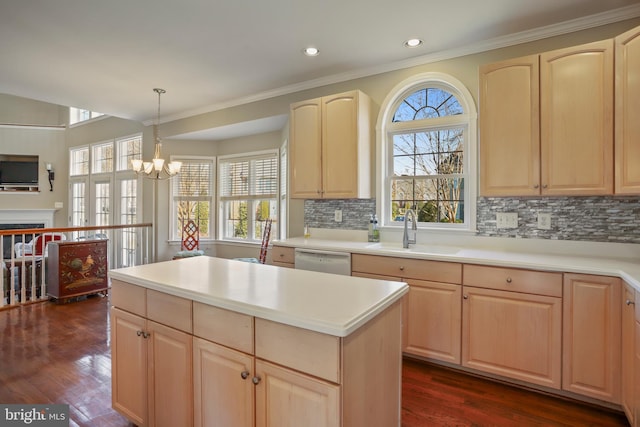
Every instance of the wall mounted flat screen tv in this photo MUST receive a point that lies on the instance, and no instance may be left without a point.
(19, 171)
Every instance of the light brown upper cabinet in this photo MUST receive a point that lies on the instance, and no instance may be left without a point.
(627, 144)
(330, 147)
(510, 128)
(576, 106)
(546, 123)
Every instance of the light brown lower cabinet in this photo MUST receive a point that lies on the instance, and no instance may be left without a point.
(432, 308)
(283, 256)
(433, 320)
(512, 334)
(151, 371)
(223, 387)
(628, 351)
(233, 369)
(636, 389)
(592, 322)
(512, 323)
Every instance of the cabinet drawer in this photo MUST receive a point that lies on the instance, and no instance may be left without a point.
(435, 271)
(129, 297)
(228, 328)
(169, 310)
(282, 254)
(300, 349)
(512, 279)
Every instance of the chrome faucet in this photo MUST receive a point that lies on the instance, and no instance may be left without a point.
(405, 237)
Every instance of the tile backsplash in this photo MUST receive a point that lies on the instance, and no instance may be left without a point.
(595, 219)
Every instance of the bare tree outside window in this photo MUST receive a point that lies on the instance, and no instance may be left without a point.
(428, 161)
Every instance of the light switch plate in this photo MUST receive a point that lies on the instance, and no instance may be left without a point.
(58, 205)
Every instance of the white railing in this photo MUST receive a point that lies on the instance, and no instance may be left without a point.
(23, 253)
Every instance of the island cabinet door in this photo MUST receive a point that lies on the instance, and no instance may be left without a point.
(129, 366)
(512, 334)
(170, 376)
(223, 386)
(285, 398)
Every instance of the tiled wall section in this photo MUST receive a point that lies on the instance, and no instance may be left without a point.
(596, 219)
(355, 213)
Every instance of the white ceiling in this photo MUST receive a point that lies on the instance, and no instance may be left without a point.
(210, 54)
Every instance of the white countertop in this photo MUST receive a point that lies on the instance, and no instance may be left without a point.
(326, 303)
(627, 269)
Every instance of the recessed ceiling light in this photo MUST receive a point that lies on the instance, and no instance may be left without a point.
(413, 43)
(311, 51)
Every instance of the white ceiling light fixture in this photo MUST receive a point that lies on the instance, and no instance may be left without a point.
(411, 43)
(156, 168)
(311, 51)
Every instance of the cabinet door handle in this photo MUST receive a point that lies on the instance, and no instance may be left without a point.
(146, 335)
(244, 374)
(509, 280)
(536, 186)
(139, 333)
(629, 302)
(256, 380)
(465, 297)
(544, 186)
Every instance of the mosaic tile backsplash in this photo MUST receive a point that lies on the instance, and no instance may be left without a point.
(595, 219)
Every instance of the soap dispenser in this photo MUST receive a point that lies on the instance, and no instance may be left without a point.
(370, 232)
(376, 230)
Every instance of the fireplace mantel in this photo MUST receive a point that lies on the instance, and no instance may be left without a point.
(23, 216)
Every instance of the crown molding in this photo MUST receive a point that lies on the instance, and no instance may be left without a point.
(571, 26)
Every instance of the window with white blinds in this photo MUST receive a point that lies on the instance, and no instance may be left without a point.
(248, 194)
(192, 196)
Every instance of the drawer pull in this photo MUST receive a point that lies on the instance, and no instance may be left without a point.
(629, 302)
(281, 255)
(401, 268)
(509, 280)
(244, 374)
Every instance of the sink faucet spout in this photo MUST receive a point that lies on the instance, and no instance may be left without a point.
(414, 226)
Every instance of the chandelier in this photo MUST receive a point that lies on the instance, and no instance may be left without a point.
(156, 168)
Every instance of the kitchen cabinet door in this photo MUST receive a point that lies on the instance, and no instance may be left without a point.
(129, 366)
(628, 350)
(627, 134)
(510, 128)
(434, 322)
(170, 376)
(346, 144)
(591, 336)
(576, 105)
(285, 398)
(223, 387)
(512, 334)
(305, 149)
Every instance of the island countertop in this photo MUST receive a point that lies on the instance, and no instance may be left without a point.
(327, 303)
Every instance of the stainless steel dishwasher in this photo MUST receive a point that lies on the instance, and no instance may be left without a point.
(323, 261)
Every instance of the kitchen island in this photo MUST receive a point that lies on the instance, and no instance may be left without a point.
(203, 339)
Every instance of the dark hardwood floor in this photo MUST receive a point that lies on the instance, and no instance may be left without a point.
(53, 353)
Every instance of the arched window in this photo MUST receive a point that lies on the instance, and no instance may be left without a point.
(428, 139)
